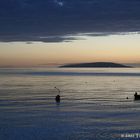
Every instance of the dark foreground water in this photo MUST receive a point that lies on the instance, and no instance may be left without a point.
(93, 105)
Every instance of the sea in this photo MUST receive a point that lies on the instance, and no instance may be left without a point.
(96, 104)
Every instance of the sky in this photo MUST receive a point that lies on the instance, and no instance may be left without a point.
(55, 32)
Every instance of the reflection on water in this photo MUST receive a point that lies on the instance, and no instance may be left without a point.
(91, 107)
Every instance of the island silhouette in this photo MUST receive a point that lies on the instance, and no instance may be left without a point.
(95, 65)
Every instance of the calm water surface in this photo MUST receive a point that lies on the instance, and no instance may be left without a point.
(93, 105)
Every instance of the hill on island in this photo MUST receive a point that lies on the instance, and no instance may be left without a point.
(95, 65)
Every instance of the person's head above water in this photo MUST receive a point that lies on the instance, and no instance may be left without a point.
(57, 98)
(136, 94)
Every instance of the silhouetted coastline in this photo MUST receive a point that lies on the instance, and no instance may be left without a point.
(96, 65)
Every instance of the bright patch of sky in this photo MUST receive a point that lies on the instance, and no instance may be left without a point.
(59, 3)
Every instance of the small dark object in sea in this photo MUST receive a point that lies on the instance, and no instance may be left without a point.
(127, 98)
(57, 98)
(136, 96)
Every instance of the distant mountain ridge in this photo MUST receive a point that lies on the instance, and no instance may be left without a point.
(95, 65)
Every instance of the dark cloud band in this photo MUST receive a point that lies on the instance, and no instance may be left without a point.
(28, 20)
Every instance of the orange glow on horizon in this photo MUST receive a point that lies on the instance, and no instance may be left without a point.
(115, 48)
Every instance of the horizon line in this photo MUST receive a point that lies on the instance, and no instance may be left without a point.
(136, 64)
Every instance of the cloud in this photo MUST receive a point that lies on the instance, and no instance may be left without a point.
(59, 3)
(28, 20)
(48, 39)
